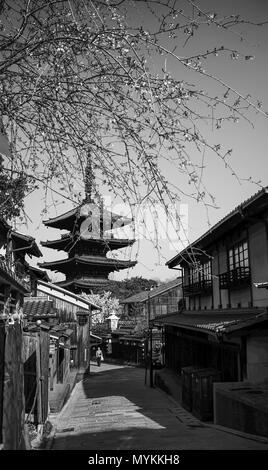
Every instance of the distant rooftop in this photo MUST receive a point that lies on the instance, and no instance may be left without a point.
(143, 296)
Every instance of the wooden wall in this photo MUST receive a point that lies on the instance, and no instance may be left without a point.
(36, 374)
(2, 364)
(13, 389)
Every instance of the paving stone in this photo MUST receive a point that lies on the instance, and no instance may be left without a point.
(113, 409)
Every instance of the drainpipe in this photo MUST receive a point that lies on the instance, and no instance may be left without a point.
(249, 262)
(218, 256)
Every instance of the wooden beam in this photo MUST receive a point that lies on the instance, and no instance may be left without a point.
(38, 380)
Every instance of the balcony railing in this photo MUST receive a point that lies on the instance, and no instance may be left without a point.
(235, 278)
(198, 288)
(22, 281)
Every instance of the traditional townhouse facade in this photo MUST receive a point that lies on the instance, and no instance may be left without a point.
(130, 339)
(221, 268)
(160, 300)
(224, 324)
(15, 284)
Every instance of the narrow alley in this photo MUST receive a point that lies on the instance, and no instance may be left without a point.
(113, 409)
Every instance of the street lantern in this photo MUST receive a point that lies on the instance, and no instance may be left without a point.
(112, 321)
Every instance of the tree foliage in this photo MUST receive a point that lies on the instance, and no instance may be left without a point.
(12, 191)
(87, 76)
(106, 303)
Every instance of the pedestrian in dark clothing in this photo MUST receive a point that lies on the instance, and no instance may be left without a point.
(99, 356)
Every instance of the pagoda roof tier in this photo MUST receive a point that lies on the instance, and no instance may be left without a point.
(68, 219)
(66, 242)
(66, 265)
(82, 283)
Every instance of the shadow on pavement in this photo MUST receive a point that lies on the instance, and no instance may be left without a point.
(122, 413)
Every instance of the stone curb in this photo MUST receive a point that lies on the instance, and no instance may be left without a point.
(252, 437)
(47, 442)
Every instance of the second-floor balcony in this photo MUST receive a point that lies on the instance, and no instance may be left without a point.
(237, 277)
(202, 287)
(11, 274)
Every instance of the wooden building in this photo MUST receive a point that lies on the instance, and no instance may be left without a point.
(35, 355)
(15, 275)
(74, 312)
(225, 322)
(130, 340)
(37, 274)
(161, 300)
(14, 285)
(67, 318)
(87, 243)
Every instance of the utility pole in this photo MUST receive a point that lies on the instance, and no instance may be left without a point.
(151, 342)
(88, 344)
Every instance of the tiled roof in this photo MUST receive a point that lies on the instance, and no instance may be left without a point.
(33, 327)
(68, 219)
(61, 331)
(39, 273)
(143, 296)
(80, 282)
(55, 290)
(125, 327)
(26, 243)
(66, 242)
(252, 205)
(37, 306)
(95, 260)
(214, 322)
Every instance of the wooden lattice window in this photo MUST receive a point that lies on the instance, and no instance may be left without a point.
(238, 256)
(206, 271)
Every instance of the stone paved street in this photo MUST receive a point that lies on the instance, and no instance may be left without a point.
(113, 409)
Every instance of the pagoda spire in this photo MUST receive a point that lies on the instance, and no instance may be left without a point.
(89, 179)
(87, 267)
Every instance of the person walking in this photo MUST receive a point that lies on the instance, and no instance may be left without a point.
(99, 356)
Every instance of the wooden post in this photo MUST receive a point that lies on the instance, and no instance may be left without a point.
(151, 343)
(2, 367)
(239, 372)
(89, 330)
(38, 380)
(58, 361)
(51, 374)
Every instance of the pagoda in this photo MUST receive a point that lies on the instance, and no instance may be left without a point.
(87, 243)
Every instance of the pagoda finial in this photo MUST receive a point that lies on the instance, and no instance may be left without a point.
(89, 177)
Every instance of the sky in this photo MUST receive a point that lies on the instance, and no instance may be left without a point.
(249, 158)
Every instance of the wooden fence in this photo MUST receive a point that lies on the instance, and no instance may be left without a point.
(2, 366)
(12, 395)
(36, 375)
(80, 341)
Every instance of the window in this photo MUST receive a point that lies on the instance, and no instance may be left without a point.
(194, 275)
(238, 256)
(206, 271)
(200, 273)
